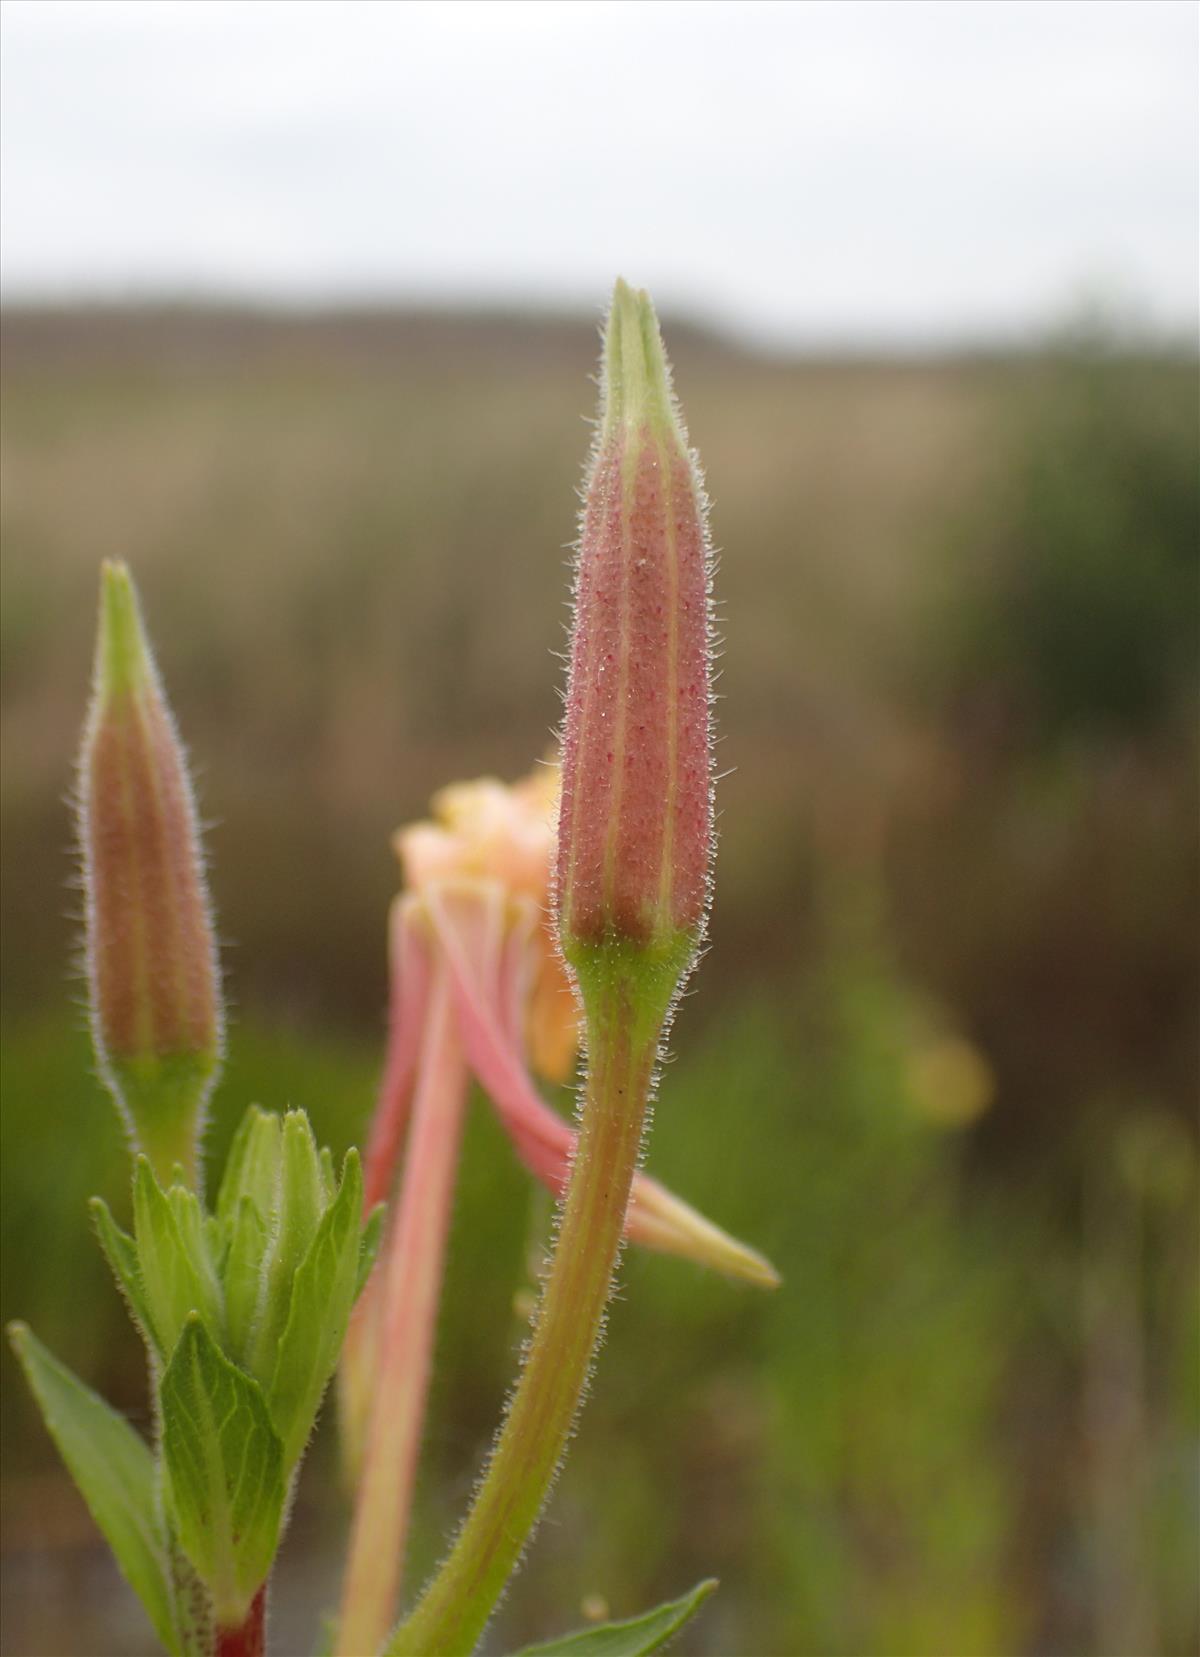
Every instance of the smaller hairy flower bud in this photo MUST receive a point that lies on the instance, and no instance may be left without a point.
(635, 832)
(151, 955)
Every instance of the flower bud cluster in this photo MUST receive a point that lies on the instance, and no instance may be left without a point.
(244, 1311)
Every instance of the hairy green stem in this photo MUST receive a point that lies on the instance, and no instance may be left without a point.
(452, 1614)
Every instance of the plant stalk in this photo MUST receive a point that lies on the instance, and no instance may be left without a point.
(411, 1291)
(622, 1049)
(249, 1639)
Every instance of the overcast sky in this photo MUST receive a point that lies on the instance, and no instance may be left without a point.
(807, 171)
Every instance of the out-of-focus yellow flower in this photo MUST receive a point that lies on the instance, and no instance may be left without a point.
(950, 1082)
(473, 956)
(492, 831)
(476, 905)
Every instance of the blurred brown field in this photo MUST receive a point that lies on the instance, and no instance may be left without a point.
(352, 536)
(941, 1059)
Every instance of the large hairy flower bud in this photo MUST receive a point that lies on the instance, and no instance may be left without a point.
(635, 834)
(151, 955)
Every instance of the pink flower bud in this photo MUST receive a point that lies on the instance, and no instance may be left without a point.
(635, 832)
(151, 955)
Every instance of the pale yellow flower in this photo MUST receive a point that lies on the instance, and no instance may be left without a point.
(505, 832)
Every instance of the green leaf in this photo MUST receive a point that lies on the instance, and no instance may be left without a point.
(328, 1175)
(120, 1251)
(235, 1159)
(196, 1236)
(303, 1184)
(247, 1243)
(292, 1227)
(177, 1275)
(641, 1635)
(214, 1241)
(323, 1292)
(114, 1470)
(223, 1462)
(252, 1167)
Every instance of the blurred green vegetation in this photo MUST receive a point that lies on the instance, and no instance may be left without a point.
(940, 1063)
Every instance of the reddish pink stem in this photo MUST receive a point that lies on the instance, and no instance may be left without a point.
(411, 1291)
(250, 1638)
(409, 973)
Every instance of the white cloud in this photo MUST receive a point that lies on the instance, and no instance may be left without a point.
(923, 170)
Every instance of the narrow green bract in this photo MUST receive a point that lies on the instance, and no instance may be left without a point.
(296, 1211)
(323, 1292)
(177, 1276)
(245, 1244)
(252, 1167)
(120, 1251)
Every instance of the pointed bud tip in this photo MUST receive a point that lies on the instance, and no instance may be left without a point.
(663, 1221)
(637, 379)
(123, 659)
(741, 1263)
(762, 1274)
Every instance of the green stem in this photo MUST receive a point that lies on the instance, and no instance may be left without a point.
(455, 1608)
